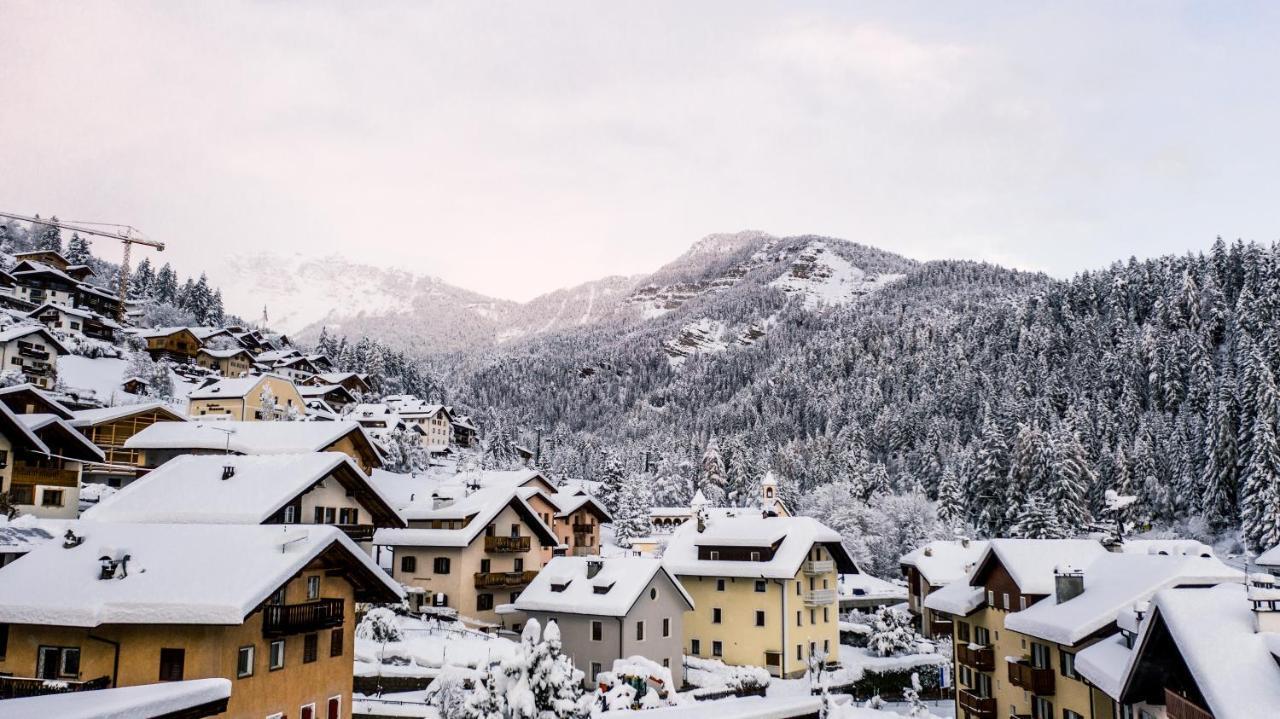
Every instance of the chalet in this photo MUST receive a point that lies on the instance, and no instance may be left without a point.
(464, 431)
(109, 428)
(435, 421)
(295, 368)
(38, 283)
(80, 272)
(322, 363)
(470, 554)
(97, 299)
(764, 588)
(33, 351)
(73, 320)
(935, 565)
(248, 399)
(176, 344)
(52, 258)
(250, 340)
(134, 385)
(235, 362)
(312, 488)
(610, 609)
(354, 382)
(41, 456)
(336, 397)
(271, 609)
(29, 399)
(163, 441)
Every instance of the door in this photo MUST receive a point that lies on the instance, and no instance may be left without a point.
(335, 708)
(47, 663)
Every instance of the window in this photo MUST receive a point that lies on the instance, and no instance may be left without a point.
(513, 596)
(653, 593)
(277, 597)
(4, 639)
(244, 662)
(715, 615)
(715, 555)
(991, 599)
(348, 515)
(335, 708)
(799, 619)
(597, 631)
(1067, 663)
(275, 659)
(595, 670)
(813, 616)
(695, 647)
(759, 618)
(799, 652)
(51, 498)
(666, 628)
(1022, 602)
(58, 662)
(336, 642)
(981, 636)
(717, 649)
(1039, 656)
(518, 565)
(1068, 714)
(719, 585)
(441, 565)
(4, 458)
(666, 662)
(639, 631)
(308, 711)
(484, 602)
(962, 632)
(171, 661)
(408, 564)
(485, 566)
(290, 514)
(1006, 600)
(761, 585)
(826, 614)
(1041, 708)
(310, 648)
(313, 587)
(515, 530)
(755, 556)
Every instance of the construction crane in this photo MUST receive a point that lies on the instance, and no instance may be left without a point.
(126, 234)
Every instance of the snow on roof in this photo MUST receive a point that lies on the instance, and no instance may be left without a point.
(772, 707)
(623, 580)
(865, 586)
(1233, 666)
(175, 573)
(567, 504)
(481, 506)
(244, 437)
(237, 387)
(797, 535)
(223, 354)
(191, 488)
(338, 377)
(163, 332)
(22, 534)
(1103, 664)
(38, 422)
(1031, 561)
(958, 598)
(75, 312)
(19, 331)
(1113, 582)
(52, 404)
(1269, 558)
(942, 562)
(138, 702)
(91, 417)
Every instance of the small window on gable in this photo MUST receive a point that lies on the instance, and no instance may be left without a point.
(560, 586)
(602, 588)
(755, 556)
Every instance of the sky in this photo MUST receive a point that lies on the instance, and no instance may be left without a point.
(515, 148)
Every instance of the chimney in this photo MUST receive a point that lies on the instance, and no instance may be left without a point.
(964, 542)
(228, 471)
(1265, 598)
(593, 567)
(71, 540)
(1068, 583)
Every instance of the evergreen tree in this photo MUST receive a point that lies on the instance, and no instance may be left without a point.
(50, 237)
(612, 479)
(713, 479)
(952, 499)
(78, 250)
(1038, 521)
(1260, 508)
(631, 518)
(166, 286)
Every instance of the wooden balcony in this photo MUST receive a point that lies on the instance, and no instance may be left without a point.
(498, 545)
(822, 566)
(1036, 681)
(52, 476)
(493, 580)
(1180, 707)
(33, 352)
(984, 660)
(938, 628)
(358, 532)
(819, 597)
(281, 619)
(584, 528)
(977, 707)
(17, 687)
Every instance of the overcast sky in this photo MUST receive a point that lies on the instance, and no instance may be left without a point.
(517, 147)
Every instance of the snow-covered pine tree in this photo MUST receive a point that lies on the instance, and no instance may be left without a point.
(1072, 477)
(1260, 505)
(631, 517)
(78, 250)
(952, 499)
(1038, 520)
(891, 633)
(555, 683)
(713, 479)
(50, 237)
(1221, 468)
(612, 481)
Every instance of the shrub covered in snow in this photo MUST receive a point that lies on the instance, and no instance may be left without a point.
(892, 633)
(537, 682)
(379, 625)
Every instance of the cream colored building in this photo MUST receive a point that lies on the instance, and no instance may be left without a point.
(33, 351)
(41, 455)
(470, 554)
(764, 588)
(247, 399)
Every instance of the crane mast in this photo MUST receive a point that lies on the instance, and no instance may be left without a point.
(126, 234)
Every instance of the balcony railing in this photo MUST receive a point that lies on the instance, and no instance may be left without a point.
(820, 566)
(977, 707)
(489, 580)
(17, 687)
(583, 551)
(26, 474)
(984, 660)
(282, 619)
(939, 628)
(506, 544)
(358, 532)
(584, 528)
(1036, 681)
(1180, 707)
(31, 351)
(819, 597)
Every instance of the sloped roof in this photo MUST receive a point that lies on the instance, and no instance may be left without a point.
(191, 489)
(19, 331)
(1030, 562)
(50, 426)
(942, 562)
(235, 387)
(481, 507)
(244, 437)
(191, 698)
(45, 400)
(224, 354)
(623, 579)
(75, 312)
(176, 574)
(91, 417)
(796, 534)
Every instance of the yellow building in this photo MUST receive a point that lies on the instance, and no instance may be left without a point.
(932, 566)
(270, 608)
(764, 588)
(469, 554)
(234, 362)
(248, 399)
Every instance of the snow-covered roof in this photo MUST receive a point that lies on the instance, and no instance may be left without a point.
(243, 437)
(1030, 562)
(794, 537)
(175, 574)
(1234, 666)
(338, 377)
(22, 534)
(562, 586)
(191, 489)
(91, 417)
(785, 706)
(478, 509)
(19, 331)
(567, 504)
(1113, 582)
(164, 332)
(942, 562)
(320, 390)
(223, 354)
(236, 387)
(1103, 664)
(1269, 558)
(278, 355)
(957, 598)
(47, 401)
(50, 424)
(865, 586)
(145, 701)
(75, 312)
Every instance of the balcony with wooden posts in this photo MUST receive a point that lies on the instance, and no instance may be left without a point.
(819, 597)
(497, 580)
(819, 566)
(580, 528)
(499, 545)
(1033, 679)
(52, 476)
(977, 707)
(283, 619)
(1180, 707)
(983, 659)
(29, 350)
(18, 687)
(939, 628)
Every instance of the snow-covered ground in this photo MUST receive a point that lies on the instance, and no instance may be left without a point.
(824, 278)
(103, 376)
(427, 647)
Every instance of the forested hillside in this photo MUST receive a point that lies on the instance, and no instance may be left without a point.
(1014, 400)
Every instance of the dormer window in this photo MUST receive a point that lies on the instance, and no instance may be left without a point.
(602, 588)
(560, 586)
